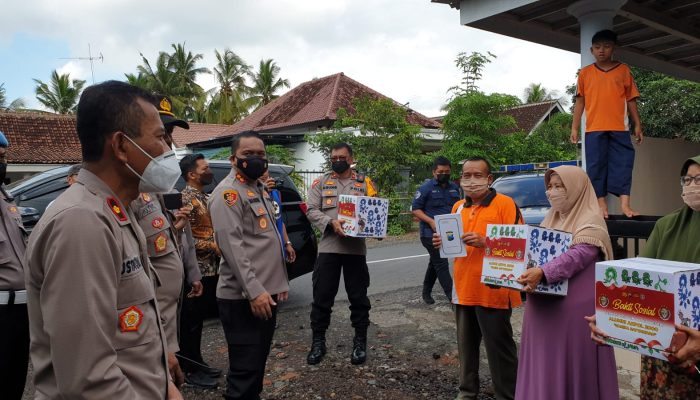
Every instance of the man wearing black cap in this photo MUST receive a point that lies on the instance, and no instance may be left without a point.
(197, 372)
(14, 334)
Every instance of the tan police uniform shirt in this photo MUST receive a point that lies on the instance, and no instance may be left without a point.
(165, 258)
(246, 233)
(323, 208)
(188, 253)
(93, 317)
(12, 245)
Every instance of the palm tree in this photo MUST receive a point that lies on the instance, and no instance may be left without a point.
(62, 95)
(229, 101)
(266, 83)
(184, 65)
(536, 93)
(138, 80)
(16, 104)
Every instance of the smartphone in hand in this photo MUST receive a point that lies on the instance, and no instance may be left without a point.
(172, 201)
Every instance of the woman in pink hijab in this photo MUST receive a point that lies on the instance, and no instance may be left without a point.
(557, 358)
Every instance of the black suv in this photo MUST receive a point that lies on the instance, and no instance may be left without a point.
(35, 193)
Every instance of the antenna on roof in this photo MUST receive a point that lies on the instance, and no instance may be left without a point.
(88, 58)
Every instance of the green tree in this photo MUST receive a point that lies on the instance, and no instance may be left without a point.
(474, 123)
(536, 93)
(173, 75)
(184, 66)
(668, 107)
(549, 142)
(383, 141)
(61, 94)
(266, 83)
(229, 100)
(471, 67)
(14, 105)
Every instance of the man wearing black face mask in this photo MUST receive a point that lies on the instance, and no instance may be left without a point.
(196, 172)
(337, 253)
(253, 274)
(435, 197)
(14, 336)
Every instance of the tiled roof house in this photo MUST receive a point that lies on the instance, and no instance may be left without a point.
(307, 108)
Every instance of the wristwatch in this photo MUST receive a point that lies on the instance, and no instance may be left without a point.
(288, 242)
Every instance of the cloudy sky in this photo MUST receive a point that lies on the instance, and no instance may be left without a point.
(404, 49)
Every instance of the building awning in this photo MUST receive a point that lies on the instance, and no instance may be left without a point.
(661, 35)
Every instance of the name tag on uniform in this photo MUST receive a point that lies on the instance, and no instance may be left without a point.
(131, 266)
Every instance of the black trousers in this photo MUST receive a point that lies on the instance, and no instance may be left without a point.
(14, 350)
(438, 269)
(474, 324)
(249, 340)
(192, 315)
(326, 278)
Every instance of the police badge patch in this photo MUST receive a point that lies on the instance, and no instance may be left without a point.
(130, 319)
(160, 242)
(157, 222)
(230, 197)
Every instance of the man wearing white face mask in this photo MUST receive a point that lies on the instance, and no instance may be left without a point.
(95, 325)
(482, 312)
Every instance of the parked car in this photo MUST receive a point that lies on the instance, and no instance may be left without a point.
(528, 191)
(35, 193)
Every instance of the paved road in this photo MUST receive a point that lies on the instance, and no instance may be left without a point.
(391, 267)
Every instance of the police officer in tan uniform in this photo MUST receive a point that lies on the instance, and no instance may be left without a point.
(253, 275)
(14, 331)
(338, 252)
(94, 320)
(165, 250)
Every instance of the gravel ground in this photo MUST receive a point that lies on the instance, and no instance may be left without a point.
(412, 354)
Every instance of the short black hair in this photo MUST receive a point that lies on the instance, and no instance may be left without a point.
(480, 158)
(342, 145)
(605, 35)
(106, 108)
(189, 164)
(236, 140)
(441, 160)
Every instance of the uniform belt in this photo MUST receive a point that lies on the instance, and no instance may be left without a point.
(13, 297)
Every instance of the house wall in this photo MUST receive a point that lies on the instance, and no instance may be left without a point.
(656, 187)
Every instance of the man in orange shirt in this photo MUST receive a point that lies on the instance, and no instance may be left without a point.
(482, 311)
(607, 92)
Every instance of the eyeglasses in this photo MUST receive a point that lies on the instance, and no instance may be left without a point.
(686, 180)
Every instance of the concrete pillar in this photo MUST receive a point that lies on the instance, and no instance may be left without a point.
(593, 16)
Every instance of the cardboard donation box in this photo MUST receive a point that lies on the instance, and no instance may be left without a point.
(364, 216)
(512, 249)
(638, 301)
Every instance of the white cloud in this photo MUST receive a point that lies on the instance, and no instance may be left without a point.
(403, 48)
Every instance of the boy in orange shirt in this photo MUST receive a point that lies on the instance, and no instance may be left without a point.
(607, 91)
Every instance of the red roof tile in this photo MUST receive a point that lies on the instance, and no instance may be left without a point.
(313, 103)
(200, 133)
(528, 116)
(39, 138)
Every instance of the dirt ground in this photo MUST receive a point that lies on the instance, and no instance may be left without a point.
(412, 355)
